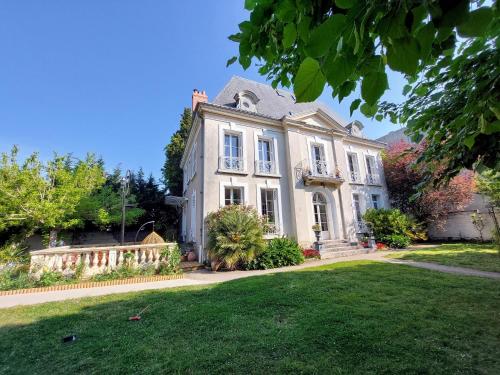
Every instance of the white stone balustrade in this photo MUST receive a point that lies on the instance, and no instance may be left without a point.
(97, 259)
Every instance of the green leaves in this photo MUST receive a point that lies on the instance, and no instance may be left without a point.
(373, 86)
(344, 4)
(403, 55)
(354, 105)
(477, 23)
(289, 35)
(309, 81)
(325, 35)
(338, 69)
(369, 110)
(231, 61)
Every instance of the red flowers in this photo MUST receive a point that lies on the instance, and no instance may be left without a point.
(311, 253)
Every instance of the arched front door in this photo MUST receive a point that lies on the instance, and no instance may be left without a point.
(320, 214)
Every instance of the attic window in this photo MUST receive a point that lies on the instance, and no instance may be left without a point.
(246, 100)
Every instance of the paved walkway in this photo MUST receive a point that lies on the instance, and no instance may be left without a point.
(447, 269)
(204, 277)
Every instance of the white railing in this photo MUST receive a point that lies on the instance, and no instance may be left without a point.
(271, 229)
(319, 168)
(354, 177)
(373, 179)
(95, 260)
(229, 163)
(265, 167)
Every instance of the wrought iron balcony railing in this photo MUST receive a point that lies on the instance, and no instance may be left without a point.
(265, 167)
(229, 163)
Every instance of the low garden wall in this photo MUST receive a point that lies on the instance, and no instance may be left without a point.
(90, 261)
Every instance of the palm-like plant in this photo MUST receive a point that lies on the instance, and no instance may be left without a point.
(235, 235)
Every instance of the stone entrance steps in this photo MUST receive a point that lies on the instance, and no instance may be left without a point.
(340, 248)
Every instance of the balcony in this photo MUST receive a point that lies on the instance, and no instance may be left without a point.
(373, 179)
(317, 174)
(265, 167)
(271, 229)
(229, 164)
(354, 177)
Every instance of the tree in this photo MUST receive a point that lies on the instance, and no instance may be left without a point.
(404, 177)
(103, 208)
(172, 172)
(37, 195)
(346, 43)
(488, 183)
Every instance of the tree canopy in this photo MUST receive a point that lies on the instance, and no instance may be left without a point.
(447, 51)
(432, 204)
(172, 171)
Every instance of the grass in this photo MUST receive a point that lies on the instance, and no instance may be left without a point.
(483, 257)
(345, 318)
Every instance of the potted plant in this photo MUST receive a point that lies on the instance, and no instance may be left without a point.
(317, 231)
(364, 241)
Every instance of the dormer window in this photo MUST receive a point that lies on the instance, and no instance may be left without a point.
(246, 100)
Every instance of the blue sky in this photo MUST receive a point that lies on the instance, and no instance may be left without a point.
(112, 77)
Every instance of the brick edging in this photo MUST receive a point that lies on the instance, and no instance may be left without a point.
(92, 284)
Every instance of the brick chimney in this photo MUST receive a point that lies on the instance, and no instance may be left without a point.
(198, 97)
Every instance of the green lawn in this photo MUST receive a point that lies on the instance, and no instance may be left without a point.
(483, 257)
(346, 318)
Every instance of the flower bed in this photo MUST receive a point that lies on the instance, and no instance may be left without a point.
(311, 253)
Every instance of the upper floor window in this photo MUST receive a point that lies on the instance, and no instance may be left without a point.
(266, 161)
(232, 158)
(376, 201)
(352, 161)
(318, 159)
(371, 170)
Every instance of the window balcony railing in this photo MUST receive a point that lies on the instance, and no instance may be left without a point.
(229, 163)
(354, 177)
(319, 168)
(271, 229)
(373, 179)
(265, 167)
(316, 173)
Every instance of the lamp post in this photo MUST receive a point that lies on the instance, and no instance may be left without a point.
(125, 187)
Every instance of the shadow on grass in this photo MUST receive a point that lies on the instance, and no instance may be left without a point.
(477, 256)
(344, 318)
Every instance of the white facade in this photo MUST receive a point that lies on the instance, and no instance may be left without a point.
(297, 171)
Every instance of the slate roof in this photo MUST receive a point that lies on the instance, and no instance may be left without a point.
(274, 103)
(394, 137)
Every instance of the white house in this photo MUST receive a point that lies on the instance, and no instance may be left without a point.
(298, 164)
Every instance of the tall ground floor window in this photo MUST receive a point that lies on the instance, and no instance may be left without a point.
(269, 205)
(320, 216)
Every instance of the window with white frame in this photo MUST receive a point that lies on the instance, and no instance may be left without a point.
(352, 161)
(376, 201)
(318, 160)
(233, 195)
(269, 210)
(357, 208)
(266, 161)
(233, 152)
(371, 170)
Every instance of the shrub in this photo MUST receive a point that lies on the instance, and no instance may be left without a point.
(235, 235)
(50, 278)
(388, 222)
(170, 258)
(15, 278)
(311, 253)
(397, 241)
(280, 252)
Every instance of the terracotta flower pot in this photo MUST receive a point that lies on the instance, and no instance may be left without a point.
(184, 258)
(191, 256)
